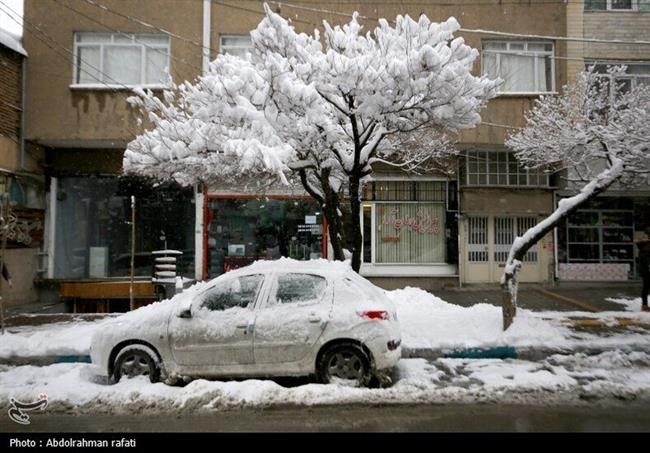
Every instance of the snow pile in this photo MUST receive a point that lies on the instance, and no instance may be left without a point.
(63, 338)
(429, 322)
(629, 304)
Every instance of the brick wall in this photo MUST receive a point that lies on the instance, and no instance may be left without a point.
(628, 26)
(10, 92)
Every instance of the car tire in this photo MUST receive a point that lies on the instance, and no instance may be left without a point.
(135, 361)
(346, 364)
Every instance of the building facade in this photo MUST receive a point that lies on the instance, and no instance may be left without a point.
(597, 242)
(21, 180)
(429, 230)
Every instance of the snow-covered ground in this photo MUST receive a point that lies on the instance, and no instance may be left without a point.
(628, 304)
(426, 322)
(608, 378)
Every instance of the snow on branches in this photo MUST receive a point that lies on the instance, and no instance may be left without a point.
(317, 110)
(596, 132)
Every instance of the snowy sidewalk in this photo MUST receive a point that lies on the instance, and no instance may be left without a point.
(431, 328)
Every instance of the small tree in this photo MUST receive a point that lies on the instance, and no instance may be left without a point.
(318, 112)
(595, 133)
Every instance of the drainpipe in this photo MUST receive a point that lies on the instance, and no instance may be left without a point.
(207, 6)
(23, 83)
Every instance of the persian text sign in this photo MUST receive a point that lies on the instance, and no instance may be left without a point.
(420, 223)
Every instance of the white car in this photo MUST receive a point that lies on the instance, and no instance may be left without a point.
(272, 318)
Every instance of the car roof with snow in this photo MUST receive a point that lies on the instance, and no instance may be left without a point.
(331, 269)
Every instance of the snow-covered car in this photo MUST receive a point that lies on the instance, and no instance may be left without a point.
(272, 318)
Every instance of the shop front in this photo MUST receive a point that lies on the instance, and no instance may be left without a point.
(410, 231)
(597, 242)
(243, 228)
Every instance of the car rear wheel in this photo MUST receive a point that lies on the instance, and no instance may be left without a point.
(133, 362)
(345, 364)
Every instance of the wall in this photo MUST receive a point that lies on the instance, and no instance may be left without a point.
(21, 264)
(60, 116)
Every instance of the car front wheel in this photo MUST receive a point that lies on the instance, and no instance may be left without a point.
(345, 364)
(133, 362)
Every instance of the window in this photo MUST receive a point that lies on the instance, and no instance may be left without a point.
(238, 45)
(500, 168)
(408, 220)
(617, 5)
(120, 59)
(294, 288)
(524, 66)
(636, 74)
(237, 292)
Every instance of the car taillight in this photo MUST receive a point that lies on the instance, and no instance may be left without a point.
(375, 314)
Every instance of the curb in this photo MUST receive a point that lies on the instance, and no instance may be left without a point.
(509, 352)
(497, 352)
(44, 360)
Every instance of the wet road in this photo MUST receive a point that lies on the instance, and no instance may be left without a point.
(416, 418)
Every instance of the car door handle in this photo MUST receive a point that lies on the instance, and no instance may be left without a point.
(242, 326)
(314, 318)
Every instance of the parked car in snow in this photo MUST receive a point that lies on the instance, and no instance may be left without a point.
(272, 318)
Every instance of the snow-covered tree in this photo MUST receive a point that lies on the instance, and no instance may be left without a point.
(318, 111)
(595, 133)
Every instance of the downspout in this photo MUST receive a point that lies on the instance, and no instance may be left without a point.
(200, 192)
(23, 83)
(207, 6)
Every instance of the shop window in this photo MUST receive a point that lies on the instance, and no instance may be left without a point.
(117, 59)
(500, 168)
(597, 235)
(524, 66)
(242, 231)
(93, 231)
(407, 222)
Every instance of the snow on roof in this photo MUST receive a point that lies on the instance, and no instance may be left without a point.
(12, 42)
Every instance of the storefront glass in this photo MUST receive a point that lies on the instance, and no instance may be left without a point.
(93, 229)
(409, 222)
(242, 231)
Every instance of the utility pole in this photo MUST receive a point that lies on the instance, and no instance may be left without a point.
(131, 304)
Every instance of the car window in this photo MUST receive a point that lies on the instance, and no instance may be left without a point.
(236, 292)
(293, 288)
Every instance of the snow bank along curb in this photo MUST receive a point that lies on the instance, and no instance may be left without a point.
(431, 328)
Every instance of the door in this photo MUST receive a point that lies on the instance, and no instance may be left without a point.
(487, 244)
(477, 253)
(219, 333)
(293, 318)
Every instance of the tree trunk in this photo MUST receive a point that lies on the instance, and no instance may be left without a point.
(521, 245)
(331, 209)
(355, 222)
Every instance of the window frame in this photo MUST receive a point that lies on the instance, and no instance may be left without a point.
(248, 48)
(608, 8)
(525, 52)
(487, 173)
(109, 83)
(633, 77)
(373, 203)
(200, 301)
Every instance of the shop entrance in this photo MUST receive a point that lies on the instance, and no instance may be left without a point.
(486, 244)
(243, 230)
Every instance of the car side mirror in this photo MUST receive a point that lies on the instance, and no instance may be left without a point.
(185, 313)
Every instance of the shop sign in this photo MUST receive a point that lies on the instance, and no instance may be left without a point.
(421, 223)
